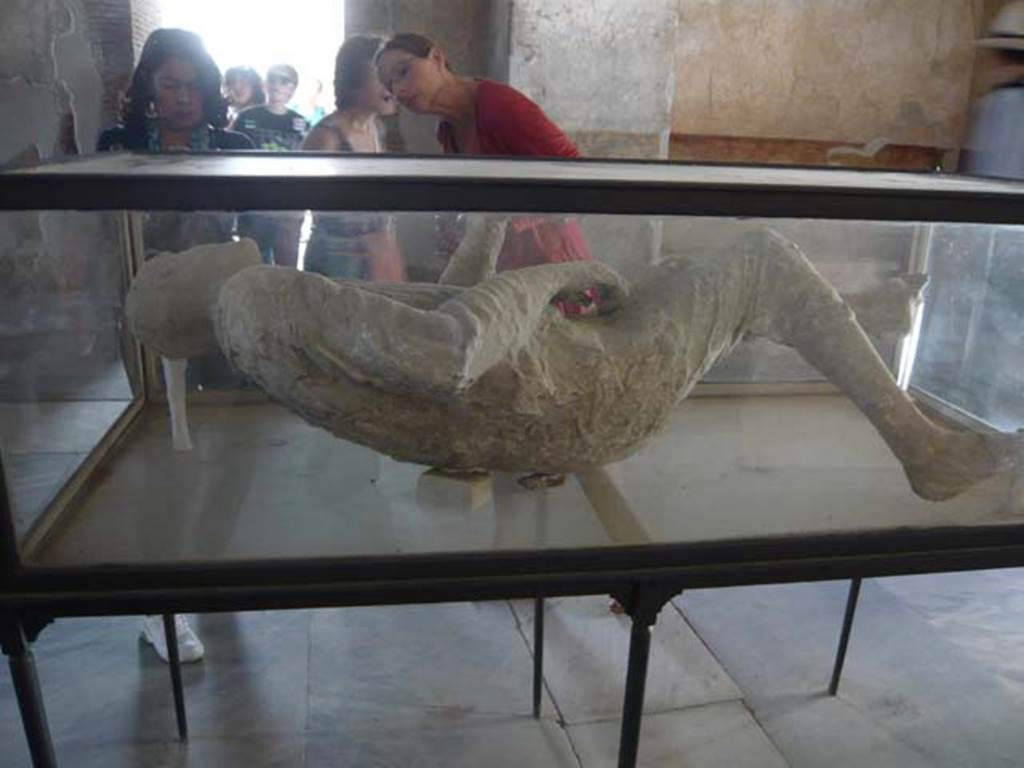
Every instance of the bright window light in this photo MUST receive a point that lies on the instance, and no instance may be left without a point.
(261, 33)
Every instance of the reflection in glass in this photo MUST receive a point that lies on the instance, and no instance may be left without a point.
(265, 481)
(971, 353)
(63, 376)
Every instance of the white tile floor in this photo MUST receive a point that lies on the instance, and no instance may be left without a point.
(737, 679)
(926, 681)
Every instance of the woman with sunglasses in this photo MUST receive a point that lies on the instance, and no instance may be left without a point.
(482, 117)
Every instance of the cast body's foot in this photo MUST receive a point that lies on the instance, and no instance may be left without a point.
(958, 460)
(190, 648)
(472, 473)
(539, 480)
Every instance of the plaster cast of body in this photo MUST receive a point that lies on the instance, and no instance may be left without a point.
(171, 306)
(482, 371)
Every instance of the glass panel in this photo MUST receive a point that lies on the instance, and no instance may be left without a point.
(589, 384)
(971, 354)
(67, 370)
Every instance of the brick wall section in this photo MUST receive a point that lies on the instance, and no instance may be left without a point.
(109, 29)
(117, 30)
(145, 18)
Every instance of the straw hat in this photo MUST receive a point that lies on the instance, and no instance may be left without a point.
(1007, 30)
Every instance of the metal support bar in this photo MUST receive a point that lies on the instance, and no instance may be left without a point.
(29, 694)
(174, 662)
(633, 703)
(844, 636)
(538, 653)
(642, 602)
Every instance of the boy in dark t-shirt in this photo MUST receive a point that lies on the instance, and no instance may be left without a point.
(278, 133)
(272, 126)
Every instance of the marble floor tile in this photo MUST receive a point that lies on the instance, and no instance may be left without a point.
(500, 743)
(100, 684)
(720, 735)
(253, 679)
(103, 688)
(197, 752)
(981, 612)
(200, 752)
(449, 685)
(417, 666)
(818, 730)
(585, 652)
(905, 682)
(229, 751)
(113, 754)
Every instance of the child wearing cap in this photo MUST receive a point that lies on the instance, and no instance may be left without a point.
(272, 126)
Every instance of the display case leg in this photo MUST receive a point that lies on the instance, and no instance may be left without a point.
(538, 654)
(633, 703)
(642, 603)
(844, 636)
(174, 663)
(30, 697)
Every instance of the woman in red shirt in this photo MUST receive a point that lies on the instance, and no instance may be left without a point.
(482, 117)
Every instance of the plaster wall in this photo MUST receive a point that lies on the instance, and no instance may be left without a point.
(597, 65)
(603, 71)
(839, 70)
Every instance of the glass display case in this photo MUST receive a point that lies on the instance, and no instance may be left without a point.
(94, 478)
(732, 375)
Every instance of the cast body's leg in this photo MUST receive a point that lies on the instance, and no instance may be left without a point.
(174, 381)
(476, 258)
(368, 333)
(766, 287)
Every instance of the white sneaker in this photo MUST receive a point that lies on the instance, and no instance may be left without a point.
(189, 646)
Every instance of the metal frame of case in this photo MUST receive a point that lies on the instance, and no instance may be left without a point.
(642, 578)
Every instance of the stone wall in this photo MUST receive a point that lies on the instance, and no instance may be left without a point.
(838, 70)
(601, 69)
(145, 15)
(59, 271)
(51, 92)
(109, 22)
(63, 66)
(47, 73)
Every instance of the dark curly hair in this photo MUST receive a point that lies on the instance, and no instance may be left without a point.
(161, 45)
(259, 96)
(352, 66)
